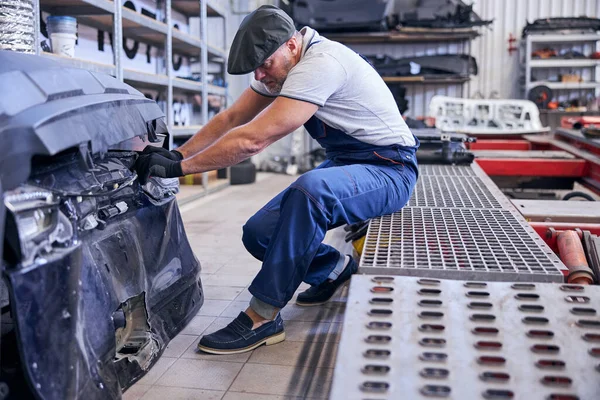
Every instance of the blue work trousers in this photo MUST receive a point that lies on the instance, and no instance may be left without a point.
(357, 182)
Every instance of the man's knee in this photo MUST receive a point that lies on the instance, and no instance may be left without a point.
(250, 233)
(312, 184)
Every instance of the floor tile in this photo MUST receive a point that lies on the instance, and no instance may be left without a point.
(296, 354)
(197, 325)
(136, 392)
(209, 267)
(161, 366)
(245, 295)
(220, 292)
(303, 331)
(253, 396)
(320, 384)
(228, 280)
(272, 379)
(176, 393)
(179, 344)
(323, 313)
(201, 374)
(228, 269)
(234, 309)
(335, 332)
(213, 308)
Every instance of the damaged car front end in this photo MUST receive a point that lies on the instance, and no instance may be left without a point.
(98, 269)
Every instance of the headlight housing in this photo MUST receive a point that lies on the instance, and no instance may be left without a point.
(34, 223)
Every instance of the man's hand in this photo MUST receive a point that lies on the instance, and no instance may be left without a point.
(154, 164)
(173, 155)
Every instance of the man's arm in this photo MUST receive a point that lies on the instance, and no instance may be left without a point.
(248, 105)
(279, 119)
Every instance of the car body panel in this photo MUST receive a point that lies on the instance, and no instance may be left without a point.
(97, 301)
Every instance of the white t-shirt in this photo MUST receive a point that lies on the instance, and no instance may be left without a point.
(350, 94)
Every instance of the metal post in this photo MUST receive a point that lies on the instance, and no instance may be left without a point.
(169, 66)
(203, 73)
(204, 60)
(118, 39)
(597, 71)
(527, 65)
(224, 65)
(36, 26)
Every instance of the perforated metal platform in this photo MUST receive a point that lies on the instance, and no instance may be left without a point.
(446, 170)
(452, 192)
(457, 243)
(458, 225)
(417, 338)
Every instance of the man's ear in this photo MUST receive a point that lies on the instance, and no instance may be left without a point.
(293, 45)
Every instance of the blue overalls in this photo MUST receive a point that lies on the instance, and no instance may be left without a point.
(358, 181)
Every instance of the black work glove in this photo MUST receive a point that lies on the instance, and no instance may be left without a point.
(171, 155)
(154, 164)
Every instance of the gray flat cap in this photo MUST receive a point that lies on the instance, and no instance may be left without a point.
(260, 34)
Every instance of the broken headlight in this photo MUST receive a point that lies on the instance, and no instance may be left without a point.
(161, 189)
(34, 224)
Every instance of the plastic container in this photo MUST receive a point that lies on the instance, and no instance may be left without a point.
(63, 34)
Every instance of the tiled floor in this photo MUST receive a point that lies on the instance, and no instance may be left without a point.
(301, 367)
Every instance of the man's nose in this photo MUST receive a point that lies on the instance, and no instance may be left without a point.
(259, 74)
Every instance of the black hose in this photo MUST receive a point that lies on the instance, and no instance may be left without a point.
(571, 195)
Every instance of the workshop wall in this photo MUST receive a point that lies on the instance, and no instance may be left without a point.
(499, 69)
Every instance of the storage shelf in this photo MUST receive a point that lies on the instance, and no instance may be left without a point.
(590, 37)
(565, 85)
(77, 7)
(186, 44)
(196, 87)
(145, 80)
(185, 131)
(406, 36)
(408, 80)
(560, 63)
(81, 63)
(215, 52)
(98, 14)
(191, 8)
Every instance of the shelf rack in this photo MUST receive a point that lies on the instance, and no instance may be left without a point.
(418, 36)
(112, 16)
(580, 39)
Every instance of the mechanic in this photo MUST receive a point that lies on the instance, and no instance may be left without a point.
(300, 78)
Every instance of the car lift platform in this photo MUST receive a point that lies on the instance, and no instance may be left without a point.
(458, 297)
(458, 225)
(423, 338)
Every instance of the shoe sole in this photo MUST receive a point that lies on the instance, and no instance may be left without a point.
(342, 286)
(274, 339)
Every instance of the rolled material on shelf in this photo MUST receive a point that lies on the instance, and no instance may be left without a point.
(572, 255)
(17, 29)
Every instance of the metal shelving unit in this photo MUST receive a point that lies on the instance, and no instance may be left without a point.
(111, 16)
(416, 36)
(407, 80)
(591, 40)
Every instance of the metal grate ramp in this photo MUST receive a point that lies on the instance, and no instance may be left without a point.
(446, 170)
(452, 192)
(458, 243)
(458, 225)
(420, 338)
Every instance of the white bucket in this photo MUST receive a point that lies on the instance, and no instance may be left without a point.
(63, 44)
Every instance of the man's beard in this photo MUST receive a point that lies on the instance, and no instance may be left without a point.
(275, 87)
